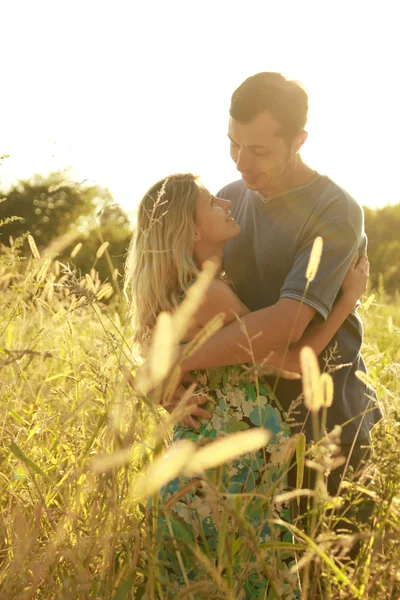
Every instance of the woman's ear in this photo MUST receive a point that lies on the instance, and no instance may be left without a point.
(196, 236)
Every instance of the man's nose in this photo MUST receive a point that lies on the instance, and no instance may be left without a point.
(243, 161)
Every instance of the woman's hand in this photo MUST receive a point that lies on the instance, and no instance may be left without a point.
(356, 279)
(188, 405)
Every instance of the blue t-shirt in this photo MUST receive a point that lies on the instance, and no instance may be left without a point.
(268, 261)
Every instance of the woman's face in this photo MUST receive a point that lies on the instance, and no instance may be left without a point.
(214, 223)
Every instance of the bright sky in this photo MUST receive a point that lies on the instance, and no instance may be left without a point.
(126, 92)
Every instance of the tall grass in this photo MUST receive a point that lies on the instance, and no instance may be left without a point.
(78, 441)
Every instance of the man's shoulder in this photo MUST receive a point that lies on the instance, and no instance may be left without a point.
(339, 202)
(232, 191)
(336, 191)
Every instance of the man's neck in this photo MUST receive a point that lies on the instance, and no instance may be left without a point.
(296, 174)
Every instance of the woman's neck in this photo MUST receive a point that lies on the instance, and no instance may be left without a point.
(204, 252)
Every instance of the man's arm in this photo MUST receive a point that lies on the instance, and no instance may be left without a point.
(317, 335)
(274, 327)
(268, 329)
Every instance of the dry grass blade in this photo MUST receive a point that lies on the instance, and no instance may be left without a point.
(368, 302)
(266, 371)
(97, 311)
(171, 385)
(300, 461)
(104, 463)
(193, 298)
(227, 448)
(65, 526)
(62, 242)
(294, 495)
(291, 446)
(212, 327)
(33, 247)
(161, 357)
(182, 409)
(16, 450)
(43, 269)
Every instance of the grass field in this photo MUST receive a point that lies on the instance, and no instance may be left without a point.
(75, 438)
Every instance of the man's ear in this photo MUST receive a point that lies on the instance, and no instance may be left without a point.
(298, 142)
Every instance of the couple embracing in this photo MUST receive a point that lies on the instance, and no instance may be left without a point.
(261, 230)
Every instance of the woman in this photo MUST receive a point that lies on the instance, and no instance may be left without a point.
(218, 533)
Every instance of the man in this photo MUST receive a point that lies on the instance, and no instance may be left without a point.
(282, 205)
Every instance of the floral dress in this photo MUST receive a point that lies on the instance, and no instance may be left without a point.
(218, 535)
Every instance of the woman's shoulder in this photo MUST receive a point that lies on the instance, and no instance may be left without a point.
(220, 298)
(219, 287)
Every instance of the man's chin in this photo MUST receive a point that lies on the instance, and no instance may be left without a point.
(250, 183)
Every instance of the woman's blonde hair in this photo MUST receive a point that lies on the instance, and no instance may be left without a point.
(160, 263)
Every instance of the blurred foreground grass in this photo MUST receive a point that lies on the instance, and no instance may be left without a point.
(75, 437)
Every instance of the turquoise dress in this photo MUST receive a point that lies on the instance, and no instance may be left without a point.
(217, 537)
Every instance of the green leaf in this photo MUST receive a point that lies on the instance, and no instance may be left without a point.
(181, 531)
(140, 592)
(251, 392)
(235, 425)
(16, 450)
(222, 530)
(264, 390)
(125, 587)
(18, 417)
(52, 377)
(300, 460)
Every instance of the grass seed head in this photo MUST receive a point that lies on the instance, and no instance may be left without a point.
(234, 445)
(163, 469)
(311, 379)
(365, 379)
(76, 249)
(102, 249)
(315, 258)
(326, 383)
(33, 247)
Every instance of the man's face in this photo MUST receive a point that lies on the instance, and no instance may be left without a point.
(261, 155)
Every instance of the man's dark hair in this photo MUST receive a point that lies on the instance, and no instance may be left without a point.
(285, 100)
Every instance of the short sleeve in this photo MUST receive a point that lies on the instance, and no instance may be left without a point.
(340, 243)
